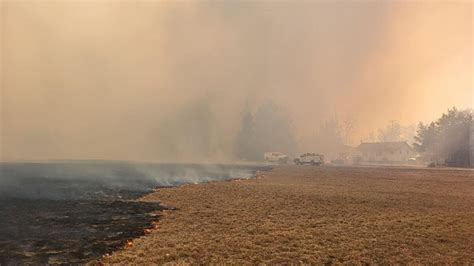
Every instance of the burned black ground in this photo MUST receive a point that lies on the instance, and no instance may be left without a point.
(75, 212)
(71, 231)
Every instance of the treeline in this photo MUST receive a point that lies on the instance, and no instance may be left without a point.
(449, 140)
(268, 129)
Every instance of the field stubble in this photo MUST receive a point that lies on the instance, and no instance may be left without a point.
(315, 215)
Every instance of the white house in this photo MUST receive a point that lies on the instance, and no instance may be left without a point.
(388, 152)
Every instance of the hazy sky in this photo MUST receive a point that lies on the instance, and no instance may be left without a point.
(101, 79)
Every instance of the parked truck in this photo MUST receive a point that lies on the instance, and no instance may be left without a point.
(310, 158)
(276, 157)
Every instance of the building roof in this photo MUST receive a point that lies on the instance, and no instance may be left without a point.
(383, 146)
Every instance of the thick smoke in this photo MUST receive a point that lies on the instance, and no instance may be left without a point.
(102, 180)
(169, 81)
(269, 129)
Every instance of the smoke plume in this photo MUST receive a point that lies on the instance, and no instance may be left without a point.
(169, 81)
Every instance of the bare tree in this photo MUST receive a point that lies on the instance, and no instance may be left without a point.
(392, 132)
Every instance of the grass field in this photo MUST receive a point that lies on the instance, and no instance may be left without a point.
(307, 214)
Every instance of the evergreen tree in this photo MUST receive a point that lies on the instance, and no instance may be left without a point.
(447, 141)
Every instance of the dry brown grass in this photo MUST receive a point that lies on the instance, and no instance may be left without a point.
(316, 215)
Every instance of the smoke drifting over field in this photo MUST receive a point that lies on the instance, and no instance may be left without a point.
(168, 81)
(106, 180)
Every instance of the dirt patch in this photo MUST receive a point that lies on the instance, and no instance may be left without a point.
(315, 215)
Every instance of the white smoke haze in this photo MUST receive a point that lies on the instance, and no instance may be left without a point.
(169, 81)
(92, 180)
